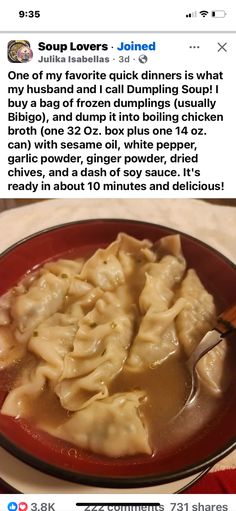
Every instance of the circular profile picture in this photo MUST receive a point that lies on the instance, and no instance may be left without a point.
(13, 47)
(24, 54)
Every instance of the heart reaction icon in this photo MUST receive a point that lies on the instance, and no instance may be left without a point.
(22, 506)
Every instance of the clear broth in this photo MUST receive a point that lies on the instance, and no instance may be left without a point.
(167, 387)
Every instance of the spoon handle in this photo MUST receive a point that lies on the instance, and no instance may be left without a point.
(226, 322)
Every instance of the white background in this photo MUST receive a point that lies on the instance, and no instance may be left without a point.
(117, 16)
(173, 55)
(123, 16)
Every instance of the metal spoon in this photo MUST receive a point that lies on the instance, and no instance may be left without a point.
(226, 324)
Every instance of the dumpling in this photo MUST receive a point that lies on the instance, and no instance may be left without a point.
(193, 322)
(5, 304)
(156, 339)
(160, 279)
(64, 267)
(211, 368)
(49, 344)
(103, 269)
(169, 245)
(132, 253)
(85, 293)
(112, 427)
(132, 245)
(100, 350)
(29, 385)
(75, 310)
(10, 351)
(52, 340)
(44, 298)
(198, 315)
(163, 276)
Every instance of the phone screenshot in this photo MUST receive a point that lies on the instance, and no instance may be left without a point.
(117, 256)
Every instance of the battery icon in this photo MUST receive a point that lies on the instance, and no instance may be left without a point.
(218, 14)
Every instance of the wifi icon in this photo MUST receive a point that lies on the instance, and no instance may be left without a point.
(204, 13)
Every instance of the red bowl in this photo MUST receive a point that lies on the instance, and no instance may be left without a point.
(57, 458)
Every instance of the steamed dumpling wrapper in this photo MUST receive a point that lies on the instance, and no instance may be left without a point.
(43, 298)
(5, 304)
(10, 351)
(211, 368)
(29, 385)
(112, 427)
(65, 267)
(133, 253)
(163, 276)
(108, 268)
(193, 322)
(99, 352)
(198, 315)
(156, 339)
(53, 340)
(103, 269)
(161, 279)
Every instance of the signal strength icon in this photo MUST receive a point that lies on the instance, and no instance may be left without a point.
(191, 14)
(203, 13)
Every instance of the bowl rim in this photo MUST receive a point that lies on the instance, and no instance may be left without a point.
(115, 481)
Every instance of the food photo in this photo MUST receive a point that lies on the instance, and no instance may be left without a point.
(117, 346)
